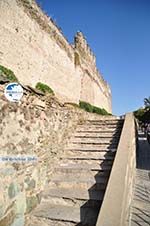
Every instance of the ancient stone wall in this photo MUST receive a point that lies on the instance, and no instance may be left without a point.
(38, 127)
(35, 49)
(93, 87)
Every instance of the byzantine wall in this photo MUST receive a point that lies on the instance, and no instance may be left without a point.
(94, 88)
(36, 50)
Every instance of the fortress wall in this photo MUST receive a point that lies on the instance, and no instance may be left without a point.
(92, 84)
(35, 49)
(34, 55)
(87, 91)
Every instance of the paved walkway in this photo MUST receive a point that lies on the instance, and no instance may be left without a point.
(141, 201)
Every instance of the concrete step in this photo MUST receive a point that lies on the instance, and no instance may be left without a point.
(85, 215)
(88, 155)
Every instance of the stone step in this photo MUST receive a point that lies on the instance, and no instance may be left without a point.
(98, 130)
(101, 173)
(77, 185)
(88, 162)
(65, 201)
(104, 122)
(103, 117)
(100, 134)
(99, 127)
(63, 213)
(66, 167)
(39, 221)
(93, 148)
(82, 181)
(72, 194)
(88, 155)
(101, 122)
(94, 140)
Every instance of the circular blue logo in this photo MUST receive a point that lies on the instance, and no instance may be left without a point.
(13, 92)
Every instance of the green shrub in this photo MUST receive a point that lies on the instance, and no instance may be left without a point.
(8, 74)
(86, 106)
(90, 108)
(100, 111)
(44, 88)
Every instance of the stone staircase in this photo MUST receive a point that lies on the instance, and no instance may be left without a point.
(75, 192)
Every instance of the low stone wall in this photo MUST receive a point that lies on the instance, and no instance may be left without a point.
(38, 127)
(116, 204)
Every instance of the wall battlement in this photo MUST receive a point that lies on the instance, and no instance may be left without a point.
(83, 48)
(46, 23)
(40, 53)
(88, 59)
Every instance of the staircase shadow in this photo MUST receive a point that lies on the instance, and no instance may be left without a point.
(88, 217)
(141, 213)
(143, 152)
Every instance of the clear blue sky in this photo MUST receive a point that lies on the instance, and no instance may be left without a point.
(118, 32)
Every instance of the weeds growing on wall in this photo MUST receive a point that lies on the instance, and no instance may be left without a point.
(7, 74)
(90, 108)
(44, 88)
(86, 106)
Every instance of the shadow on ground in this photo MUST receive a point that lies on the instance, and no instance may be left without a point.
(141, 200)
(143, 153)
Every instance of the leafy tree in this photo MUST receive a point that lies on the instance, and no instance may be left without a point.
(143, 114)
(147, 102)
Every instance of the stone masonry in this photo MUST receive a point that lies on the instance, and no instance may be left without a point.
(38, 126)
(34, 48)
